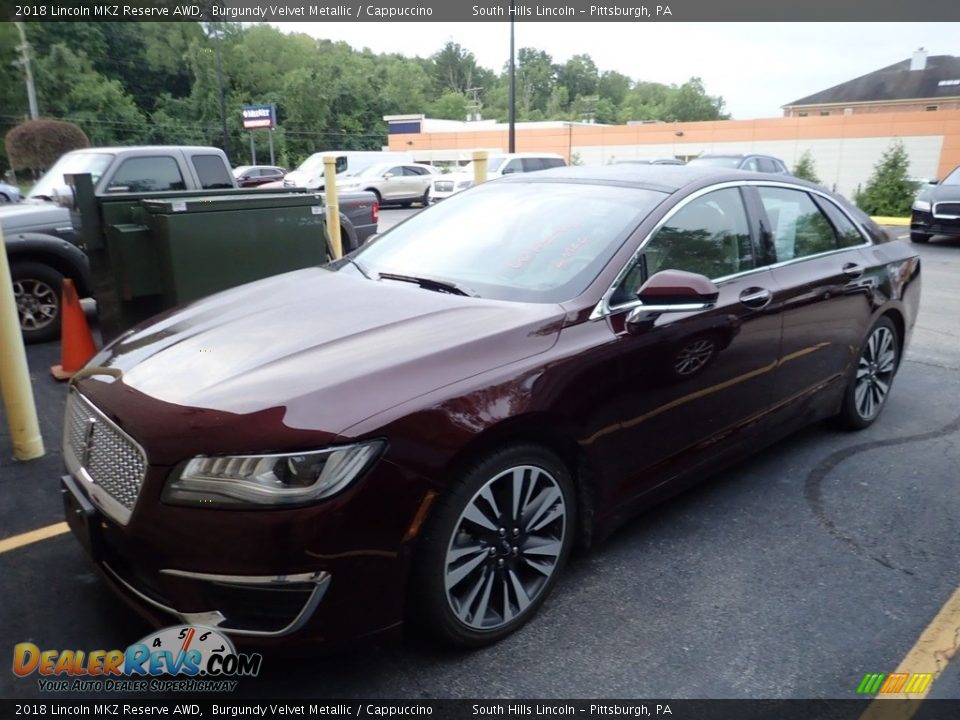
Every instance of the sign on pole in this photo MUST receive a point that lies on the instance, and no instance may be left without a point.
(259, 116)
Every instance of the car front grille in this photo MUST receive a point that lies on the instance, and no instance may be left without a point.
(110, 461)
(947, 209)
(443, 186)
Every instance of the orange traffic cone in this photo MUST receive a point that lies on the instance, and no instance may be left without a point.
(76, 341)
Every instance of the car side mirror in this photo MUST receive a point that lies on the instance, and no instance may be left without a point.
(387, 176)
(508, 171)
(671, 291)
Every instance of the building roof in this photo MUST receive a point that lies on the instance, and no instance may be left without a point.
(895, 82)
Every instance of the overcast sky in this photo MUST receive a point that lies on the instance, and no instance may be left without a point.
(755, 67)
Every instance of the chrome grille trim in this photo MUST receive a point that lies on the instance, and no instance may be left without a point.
(947, 210)
(111, 465)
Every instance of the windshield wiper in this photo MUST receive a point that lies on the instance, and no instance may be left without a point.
(442, 286)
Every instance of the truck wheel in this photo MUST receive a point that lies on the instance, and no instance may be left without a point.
(36, 289)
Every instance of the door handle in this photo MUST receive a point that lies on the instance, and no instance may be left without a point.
(852, 270)
(756, 297)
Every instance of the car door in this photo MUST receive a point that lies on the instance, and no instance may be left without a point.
(417, 180)
(694, 384)
(393, 187)
(823, 283)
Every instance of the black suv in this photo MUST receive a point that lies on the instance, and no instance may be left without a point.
(752, 161)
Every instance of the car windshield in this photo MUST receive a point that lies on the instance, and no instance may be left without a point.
(953, 178)
(527, 242)
(724, 162)
(70, 164)
(314, 164)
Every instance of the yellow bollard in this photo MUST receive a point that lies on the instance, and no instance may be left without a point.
(479, 166)
(15, 384)
(333, 208)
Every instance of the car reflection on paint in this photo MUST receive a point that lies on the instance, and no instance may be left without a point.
(427, 427)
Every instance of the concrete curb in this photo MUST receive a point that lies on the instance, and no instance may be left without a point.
(900, 221)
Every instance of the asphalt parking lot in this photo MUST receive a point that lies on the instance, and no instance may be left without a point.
(792, 575)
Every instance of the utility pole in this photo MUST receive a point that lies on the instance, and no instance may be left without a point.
(215, 32)
(513, 92)
(24, 62)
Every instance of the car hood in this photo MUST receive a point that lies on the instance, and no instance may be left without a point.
(940, 193)
(32, 214)
(328, 348)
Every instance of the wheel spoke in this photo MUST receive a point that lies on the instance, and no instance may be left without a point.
(555, 513)
(487, 495)
(551, 549)
(481, 613)
(887, 362)
(542, 503)
(474, 515)
(455, 576)
(464, 612)
(523, 600)
(881, 387)
(461, 552)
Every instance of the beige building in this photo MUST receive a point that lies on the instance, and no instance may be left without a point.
(920, 84)
(845, 148)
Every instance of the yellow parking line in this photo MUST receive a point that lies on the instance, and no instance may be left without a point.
(28, 538)
(933, 651)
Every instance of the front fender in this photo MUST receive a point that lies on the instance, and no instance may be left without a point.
(69, 260)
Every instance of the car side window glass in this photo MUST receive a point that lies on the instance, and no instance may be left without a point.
(798, 226)
(395, 171)
(552, 163)
(846, 231)
(767, 165)
(532, 164)
(148, 174)
(752, 164)
(211, 172)
(709, 236)
(514, 166)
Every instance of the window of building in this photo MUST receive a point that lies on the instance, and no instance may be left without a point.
(824, 112)
(803, 114)
(932, 108)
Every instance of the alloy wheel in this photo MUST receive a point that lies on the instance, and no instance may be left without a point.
(875, 370)
(505, 547)
(36, 303)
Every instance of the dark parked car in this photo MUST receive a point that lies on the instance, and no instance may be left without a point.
(428, 426)
(256, 175)
(936, 211)
(751, 162)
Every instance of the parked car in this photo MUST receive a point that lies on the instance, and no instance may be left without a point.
(751, 161)
(256, 175)
(310, 173)
(651, 161)
(936, 211)
(506, 374)
(497, 166)
(404, 183)
(9, 193)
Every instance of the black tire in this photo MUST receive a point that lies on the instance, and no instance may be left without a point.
(37, 289)
(919, 237)
(4, 199)
(425, 200)
(864, 397)
(406, 203)
(506, 555)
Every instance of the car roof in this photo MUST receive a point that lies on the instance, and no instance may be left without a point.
(663, 178)
(734, 155)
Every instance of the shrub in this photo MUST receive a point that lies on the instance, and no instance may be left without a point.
(37, 144)
(888, 192)
(805, 170)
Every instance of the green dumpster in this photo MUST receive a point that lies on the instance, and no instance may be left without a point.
(165, 251)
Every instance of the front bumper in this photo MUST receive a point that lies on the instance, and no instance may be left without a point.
(288, 579)
(925, 222)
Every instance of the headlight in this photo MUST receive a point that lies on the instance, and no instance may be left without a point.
(271, 480)
(921, 205)
(464, 184)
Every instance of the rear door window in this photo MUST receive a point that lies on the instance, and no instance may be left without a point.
(799, 227)
(532, 164)
(211, 172)
(147, 174)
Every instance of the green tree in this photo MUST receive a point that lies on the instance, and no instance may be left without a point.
(450, 106)
(690, 102)
(579, 76)
(888, 192)
(805, 169)
(536, 76)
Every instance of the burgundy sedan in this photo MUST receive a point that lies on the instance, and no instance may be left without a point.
(426, 428)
